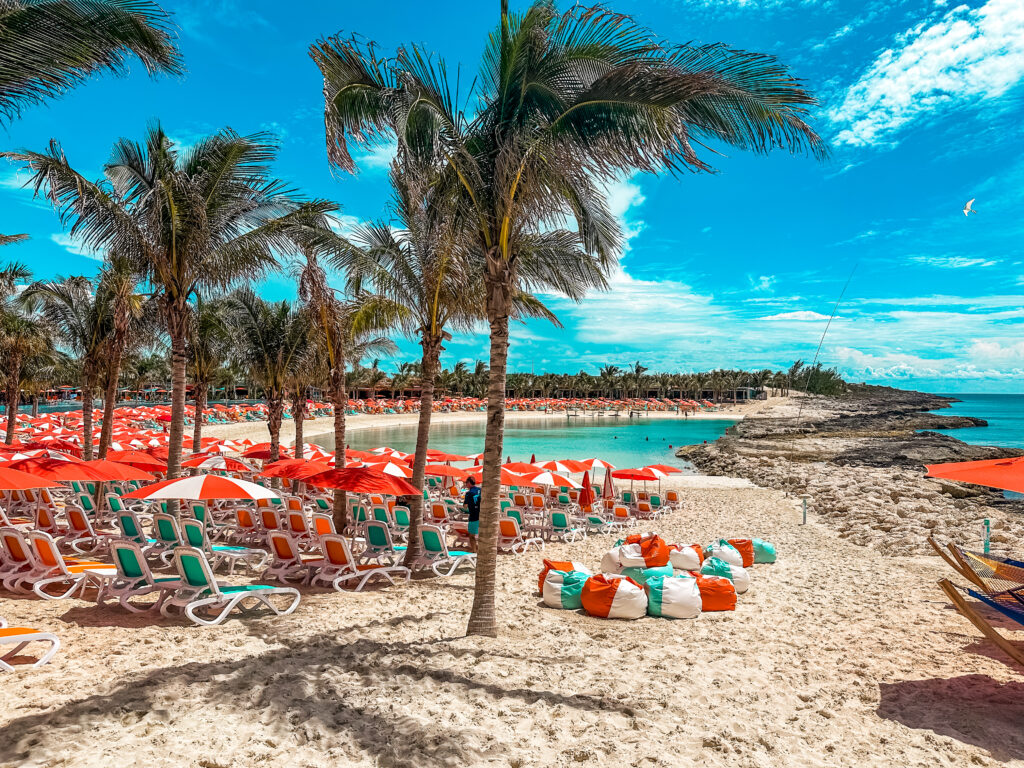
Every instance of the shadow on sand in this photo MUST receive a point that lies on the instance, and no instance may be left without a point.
(973, 709)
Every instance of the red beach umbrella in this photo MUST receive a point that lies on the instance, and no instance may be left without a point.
(225, 463)
(444, 470)
(1005, 474)
(58, 469)
(608, 491)
(665, 469)
(138, 459)
(519, 467)
(363, 480)
(115, 471)
(634, 474)
(13, 480)
(587, 494)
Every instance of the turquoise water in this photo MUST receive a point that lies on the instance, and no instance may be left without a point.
(623, 442)
(1004, 413)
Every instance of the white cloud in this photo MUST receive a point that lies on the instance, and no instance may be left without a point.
(953, 262)
(801, 315)
(377, 158)
(965, 56)
(72, 245)
(762, 282)
(624, 197)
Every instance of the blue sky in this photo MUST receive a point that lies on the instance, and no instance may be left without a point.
(921, 101)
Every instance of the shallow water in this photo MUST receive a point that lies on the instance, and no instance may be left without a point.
(1004, 413)
(622, 441)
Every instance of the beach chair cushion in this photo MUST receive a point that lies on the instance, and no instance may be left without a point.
(716, 593)
(737, 574)
(641, 575)
(559, 565)
(764, 552)
(673, 597)
(613, 597)
(746, 549)
(686, 558)
(648, 551)
(564, 589)
(723, 550)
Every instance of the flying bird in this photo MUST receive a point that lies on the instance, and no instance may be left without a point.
(968, 210)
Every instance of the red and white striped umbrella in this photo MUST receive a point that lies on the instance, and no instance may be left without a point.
(550, 478)
(225, 463)
(393, 468)
(595, 463)
(203, 487)
(564, 465)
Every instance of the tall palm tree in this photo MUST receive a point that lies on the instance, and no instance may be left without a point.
(78, 312)
(206, 217)
(566, 103)
(49, 46)
(208, 344)
(272, 339)
(24, 336)
(125, 307)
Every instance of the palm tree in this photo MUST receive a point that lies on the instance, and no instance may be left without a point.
(117, 291)
(23, 337)
(203, 218)
(78, 313)
(567, 102)
(52, 45)
(207, 345)
(609, 378)
(272, 339)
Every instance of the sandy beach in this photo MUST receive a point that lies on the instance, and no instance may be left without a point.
(837, 656)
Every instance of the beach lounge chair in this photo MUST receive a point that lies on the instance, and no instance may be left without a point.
(46, 521)
(80, 537)
(71, 576)
(322, 524)
(436, 556)
(1009, 603)
(339, 568)
(379, 546)
(16, 560)
(560, 526)
(511, 538)
(673, 500)
(135, 579)
(219, 554)
(401, 522)
(621, 515)
(245, 530)
(597, 524)
(207, 602)
(289, 563)
(168, 536)
(644, 510)
(19, 637)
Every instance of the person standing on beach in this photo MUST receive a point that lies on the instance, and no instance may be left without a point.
(472, 503)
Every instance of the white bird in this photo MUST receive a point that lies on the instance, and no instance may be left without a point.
(968, 210)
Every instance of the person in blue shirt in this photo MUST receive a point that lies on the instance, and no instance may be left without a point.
(472, 503)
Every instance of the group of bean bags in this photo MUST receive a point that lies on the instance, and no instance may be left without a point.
(643, 576)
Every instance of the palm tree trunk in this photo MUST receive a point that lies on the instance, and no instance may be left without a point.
(110, 398)
(197, 427)
(299, 416)
(35, 404)
(13, 396)
(339, 399)
(177, 320)
(87, 425)
(275, 414)
(428, 366)
(481, 618)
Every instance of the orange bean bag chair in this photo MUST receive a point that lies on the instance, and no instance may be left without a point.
(716, 593)
(746, 549)
(650, 551)
(559, 565)
(614, 597)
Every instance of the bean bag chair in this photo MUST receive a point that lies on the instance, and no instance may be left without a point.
(723, 550)
(559, 565)
(716, 593)
(610, 561)
(764, 552)
(649, 552)
(641, 575)
(611, 597)
(686, 558)
(746, 549)
(564, 589)
(674, 597)
(737, 574)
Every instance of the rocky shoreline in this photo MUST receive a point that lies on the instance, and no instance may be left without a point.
(860, 458)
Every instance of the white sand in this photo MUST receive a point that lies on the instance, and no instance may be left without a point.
(837, 656)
